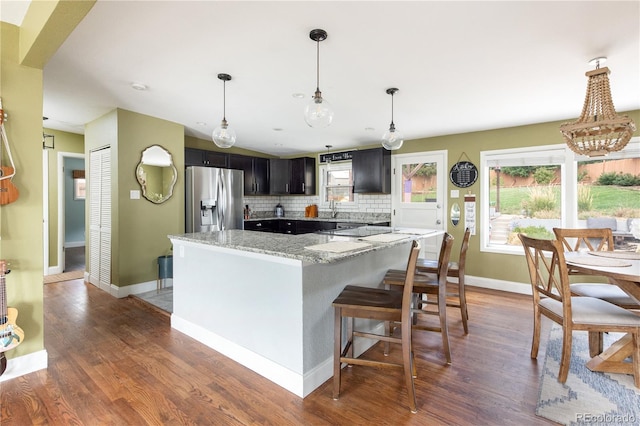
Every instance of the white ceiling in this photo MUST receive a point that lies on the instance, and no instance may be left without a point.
(460, 66)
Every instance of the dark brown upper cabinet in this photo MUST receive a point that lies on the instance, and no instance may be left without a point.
(202, 157)
(296, 176)
(371, 171)
(256, 173)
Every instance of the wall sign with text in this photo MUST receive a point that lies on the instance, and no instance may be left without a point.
(463, 174)
(336, 156)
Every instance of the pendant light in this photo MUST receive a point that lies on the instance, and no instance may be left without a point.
(318, 113)
(223, 136)
(599, 130)
(392, 139)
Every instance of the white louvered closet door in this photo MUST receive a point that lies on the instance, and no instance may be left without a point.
(100, 218)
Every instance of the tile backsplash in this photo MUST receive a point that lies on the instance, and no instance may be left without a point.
(375, 205)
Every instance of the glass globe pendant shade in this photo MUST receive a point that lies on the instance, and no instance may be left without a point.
(392, 139)
(224, 136)
(318, 113)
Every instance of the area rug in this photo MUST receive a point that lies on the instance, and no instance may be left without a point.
(66, 276)
(587, 397)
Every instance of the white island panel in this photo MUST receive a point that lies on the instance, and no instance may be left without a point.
(242, 298)
(270, 313)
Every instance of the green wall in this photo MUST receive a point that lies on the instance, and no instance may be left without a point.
(139, 228)
(491, 265)
(23, 52)
(21, 221)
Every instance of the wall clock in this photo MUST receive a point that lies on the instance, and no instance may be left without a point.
(463, 174)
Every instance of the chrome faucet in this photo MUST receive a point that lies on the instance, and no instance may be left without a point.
(334, 208)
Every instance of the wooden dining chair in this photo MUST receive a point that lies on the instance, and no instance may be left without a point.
(376, 304)
(593, 239)
(552, 298)
(455, 290)
(429, 285)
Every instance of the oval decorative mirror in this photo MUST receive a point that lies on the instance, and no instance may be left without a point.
(455, 214)
(156, 174)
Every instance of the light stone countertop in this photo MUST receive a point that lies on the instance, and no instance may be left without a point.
(372, 221)
(293, 246)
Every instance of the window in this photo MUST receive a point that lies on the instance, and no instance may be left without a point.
(419, 182)
(79, 190)
(337, 183)
(535, 189)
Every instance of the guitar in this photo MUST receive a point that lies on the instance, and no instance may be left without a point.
(10, 334)
(8, 191)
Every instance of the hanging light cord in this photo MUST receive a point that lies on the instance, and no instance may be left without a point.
(317, 65)
(224, 100)
(392, 127)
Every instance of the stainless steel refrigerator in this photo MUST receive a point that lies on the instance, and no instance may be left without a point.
(213, 199)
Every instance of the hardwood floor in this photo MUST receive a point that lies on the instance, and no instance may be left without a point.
(114, 361)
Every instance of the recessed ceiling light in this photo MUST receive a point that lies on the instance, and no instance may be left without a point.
(369, 129)
(298, 95)
(277, 144)
(201, 123)
(277, 129)
(138, 86)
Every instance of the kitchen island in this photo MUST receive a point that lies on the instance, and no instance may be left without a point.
(264, 300)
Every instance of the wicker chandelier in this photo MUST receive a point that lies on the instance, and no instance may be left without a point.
(599, 130)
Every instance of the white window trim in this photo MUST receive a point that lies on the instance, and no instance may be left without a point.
(322, 170)
(568, 173)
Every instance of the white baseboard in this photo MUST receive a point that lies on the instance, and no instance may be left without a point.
(25, 364)
(125, 291)
(482, 282)
(53, 270)
(73, 244)
(494, 284)
(288, 379)
(298, 384)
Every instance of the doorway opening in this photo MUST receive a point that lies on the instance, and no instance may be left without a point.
(64, 214)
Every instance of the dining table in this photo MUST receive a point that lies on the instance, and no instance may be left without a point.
(622, 269)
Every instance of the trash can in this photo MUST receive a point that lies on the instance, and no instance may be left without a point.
(165, 269)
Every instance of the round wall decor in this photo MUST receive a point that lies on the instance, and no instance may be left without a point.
(463, 174)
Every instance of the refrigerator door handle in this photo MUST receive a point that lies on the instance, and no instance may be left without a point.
(222, 202)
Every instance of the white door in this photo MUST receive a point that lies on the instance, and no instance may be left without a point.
(100, 218)
(418, 198)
